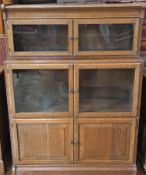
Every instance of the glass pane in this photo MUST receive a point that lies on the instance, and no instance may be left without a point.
(40, 37)
(98, 37)
(106, 90)
(41, 90)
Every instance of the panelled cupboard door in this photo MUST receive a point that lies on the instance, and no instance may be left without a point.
(39, 90)
(104, 140)
(106, 36)
(43, 141)
(111, 89)
(39, 37)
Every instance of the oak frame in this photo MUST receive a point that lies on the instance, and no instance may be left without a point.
(15, 141)
(107, 21)
(10, 42)
(69, 12)
(136, 88)
(10, 90)
(78, 147)
(73, 38)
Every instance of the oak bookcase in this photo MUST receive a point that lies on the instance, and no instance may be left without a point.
(73, 77)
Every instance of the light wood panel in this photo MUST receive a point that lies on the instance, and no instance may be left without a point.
(82, 170)
(3, 52)
(104, 140)
(43, 141)
(140, 171)
(1, 23)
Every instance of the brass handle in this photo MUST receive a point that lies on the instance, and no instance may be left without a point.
(76, 91)
(71, 91)
(74, 142)
(76, 38)
(71, 38)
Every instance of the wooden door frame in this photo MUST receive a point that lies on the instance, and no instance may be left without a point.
(102, 120)
(10, 40)
(15, 141)
(10, 90)
(137, 87)
(136, 41)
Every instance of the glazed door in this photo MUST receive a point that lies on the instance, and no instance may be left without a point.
(39, 37)
(104, 140)
(111, 89)
(43, 141)
(106, 36)
(39, 90)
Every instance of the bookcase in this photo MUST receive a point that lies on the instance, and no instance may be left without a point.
(73, 80)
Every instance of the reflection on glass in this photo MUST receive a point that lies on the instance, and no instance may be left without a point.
(40, 37)
(98, 37)
(106, 90)
(41, 90)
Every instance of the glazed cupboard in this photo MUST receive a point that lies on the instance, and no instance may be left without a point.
(73, 77)
(79, 37)
(72, 32)
(62, 89)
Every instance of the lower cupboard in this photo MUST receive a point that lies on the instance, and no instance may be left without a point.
(73, 141)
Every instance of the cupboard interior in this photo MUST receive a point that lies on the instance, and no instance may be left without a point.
(40, 37)
(54, 37)
(100, 90)
(98, 37)
(106, 90)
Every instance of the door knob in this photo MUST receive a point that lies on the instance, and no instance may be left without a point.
(76, 142)
(76, 38)
(71, 91)
(76, 91)
(71, 38)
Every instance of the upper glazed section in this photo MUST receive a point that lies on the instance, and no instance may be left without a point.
(74, 30)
